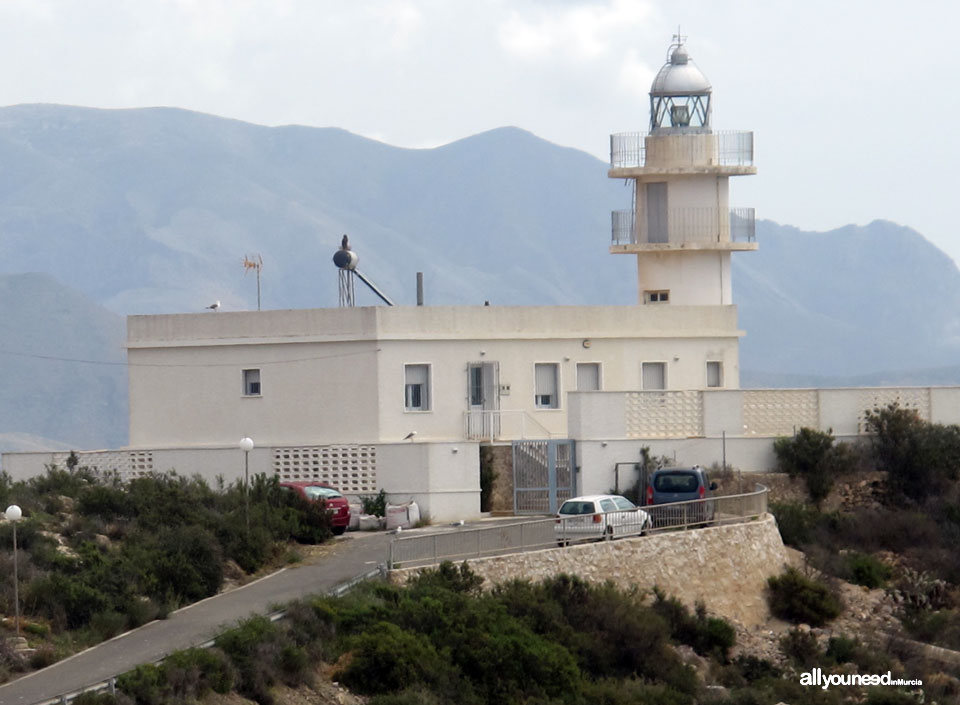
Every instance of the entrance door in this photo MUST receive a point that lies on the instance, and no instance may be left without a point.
(483, 400)
(657, 230)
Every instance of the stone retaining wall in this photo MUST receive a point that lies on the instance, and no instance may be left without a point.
(725, 567)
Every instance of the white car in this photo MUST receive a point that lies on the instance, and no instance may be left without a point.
(599, 516)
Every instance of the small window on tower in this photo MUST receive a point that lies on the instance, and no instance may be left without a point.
(251, 383)
(656, 297)
(714, 373)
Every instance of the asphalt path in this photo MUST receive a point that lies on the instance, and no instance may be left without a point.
(351, 556)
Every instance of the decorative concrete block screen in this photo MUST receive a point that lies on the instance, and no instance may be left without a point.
(352, 469)
(880, 398)
(126, 464)
(779, 412)
(664, 414)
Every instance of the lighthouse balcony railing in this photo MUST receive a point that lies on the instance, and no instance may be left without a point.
(683, 225)
(631, 150)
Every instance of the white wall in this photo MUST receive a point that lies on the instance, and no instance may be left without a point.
(693, 277)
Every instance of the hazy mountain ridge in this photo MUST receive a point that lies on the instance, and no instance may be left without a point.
(47, 393)
(152, 210)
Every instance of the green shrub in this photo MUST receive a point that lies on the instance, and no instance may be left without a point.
(889, 696)
(375, 504)
(811, 454)
(709, 636)
(800, 647)
(93, 698)
(107, 624)
(387, 659)
(799, 599)
(920, 458)
(796, 522)
(192, 673)
(868, 571)
(144, 684)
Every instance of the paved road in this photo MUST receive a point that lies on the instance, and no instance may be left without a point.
(351, 556)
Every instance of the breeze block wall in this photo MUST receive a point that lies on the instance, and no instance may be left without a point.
(726, 567)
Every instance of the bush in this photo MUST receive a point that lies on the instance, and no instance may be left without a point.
(387, 659)
(868, 571)
(144, 684)
(193, 673)
(709, 636)
(796, 522)
(801, 648)
(375, 504)
(799, 599)
(811, 455)
(920, 458)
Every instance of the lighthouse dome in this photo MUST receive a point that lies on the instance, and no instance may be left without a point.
(680, 76)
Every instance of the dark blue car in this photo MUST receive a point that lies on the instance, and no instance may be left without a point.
(673, 485)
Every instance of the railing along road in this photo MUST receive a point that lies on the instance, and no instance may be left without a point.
(462, 544)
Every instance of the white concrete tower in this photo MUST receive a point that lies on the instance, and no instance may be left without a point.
(681, 226)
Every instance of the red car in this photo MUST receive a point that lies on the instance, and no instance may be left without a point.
(337, 504)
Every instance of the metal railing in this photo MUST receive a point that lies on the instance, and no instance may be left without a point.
(463, 544)
(685, 225)
(729, 148)
(499, 424)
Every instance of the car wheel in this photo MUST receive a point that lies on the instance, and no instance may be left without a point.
(608, 534)
(563, 543)
(338, 530)
(645, 529)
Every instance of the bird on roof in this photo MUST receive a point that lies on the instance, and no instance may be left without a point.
(409, 436)
(215, 306)
(345, 243)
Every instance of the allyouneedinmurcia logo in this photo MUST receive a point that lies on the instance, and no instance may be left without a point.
(818, 678)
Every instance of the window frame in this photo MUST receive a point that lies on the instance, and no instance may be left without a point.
(426, 395)
(555, 406)
(719, 364)
(663, 365)
(599, 366)
(656, 296)
(247, 383)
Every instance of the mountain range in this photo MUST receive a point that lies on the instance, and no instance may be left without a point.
(105, 213)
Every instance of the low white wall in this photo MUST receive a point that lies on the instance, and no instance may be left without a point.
(443, 478)
(597, 459)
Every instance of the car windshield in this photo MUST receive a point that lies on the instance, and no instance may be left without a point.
(675, 482)
(317, 492)
(577, 507)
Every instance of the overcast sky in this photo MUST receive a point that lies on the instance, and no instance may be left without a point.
(853, 103)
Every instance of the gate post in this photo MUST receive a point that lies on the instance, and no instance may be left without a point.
(552, 474)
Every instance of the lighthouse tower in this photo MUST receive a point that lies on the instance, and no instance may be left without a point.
(681, 227)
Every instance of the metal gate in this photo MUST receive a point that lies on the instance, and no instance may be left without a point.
(544, 475)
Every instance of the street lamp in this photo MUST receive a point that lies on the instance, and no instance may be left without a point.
(246, 445)
(14, 514)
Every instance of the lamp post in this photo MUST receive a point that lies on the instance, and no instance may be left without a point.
(14, 515)
(246, 445)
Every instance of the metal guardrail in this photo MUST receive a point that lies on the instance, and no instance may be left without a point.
(684, 225)
(499, 424)
(727, 148)
(462, 544)
(110, 684)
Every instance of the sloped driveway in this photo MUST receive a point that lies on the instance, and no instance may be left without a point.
(349, 557)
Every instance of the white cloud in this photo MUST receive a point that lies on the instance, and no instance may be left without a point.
(580, 31)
